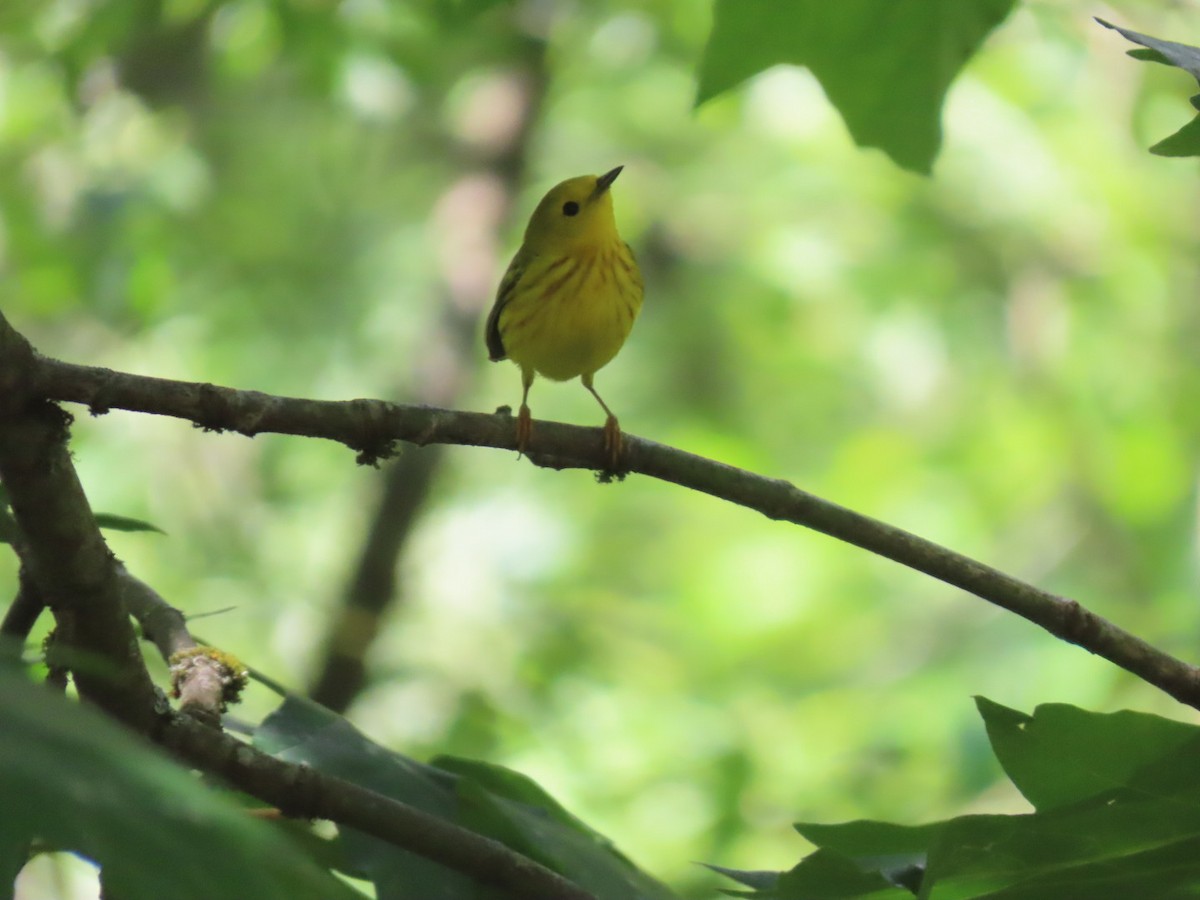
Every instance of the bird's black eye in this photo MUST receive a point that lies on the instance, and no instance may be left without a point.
(570, 208)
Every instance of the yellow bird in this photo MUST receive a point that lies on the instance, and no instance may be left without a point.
(569, 298)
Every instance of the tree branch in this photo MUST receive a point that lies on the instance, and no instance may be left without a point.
(62, 551)
(372, 427)
(302, 792)
(87, 590)
(21, 616)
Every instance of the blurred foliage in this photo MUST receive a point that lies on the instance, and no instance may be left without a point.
(999, 357)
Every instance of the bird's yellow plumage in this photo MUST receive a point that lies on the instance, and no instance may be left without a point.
(570, 296)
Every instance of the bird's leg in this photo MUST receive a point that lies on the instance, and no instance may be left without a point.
(613, 440)
(524, 419)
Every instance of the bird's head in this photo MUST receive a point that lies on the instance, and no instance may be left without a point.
(575, 212)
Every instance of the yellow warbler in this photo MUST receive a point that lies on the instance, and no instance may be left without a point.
(568, 300)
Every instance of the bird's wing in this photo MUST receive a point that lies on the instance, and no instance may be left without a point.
(508, 284)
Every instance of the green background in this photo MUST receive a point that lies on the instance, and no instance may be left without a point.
(999, 358)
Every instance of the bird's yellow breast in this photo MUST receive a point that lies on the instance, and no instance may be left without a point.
(570, 312)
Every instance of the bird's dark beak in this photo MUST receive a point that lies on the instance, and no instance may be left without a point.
(604, 182)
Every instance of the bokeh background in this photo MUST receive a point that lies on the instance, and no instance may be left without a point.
(317, 199)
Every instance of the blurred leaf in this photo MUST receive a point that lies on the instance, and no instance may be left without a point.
(1186, 141)
(458, 12)
(488, 799)
(885, 66)
(73, 779)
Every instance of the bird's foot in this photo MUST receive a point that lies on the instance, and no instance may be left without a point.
(524, 430)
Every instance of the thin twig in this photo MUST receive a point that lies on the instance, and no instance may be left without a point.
(201, 678)
(372, 427)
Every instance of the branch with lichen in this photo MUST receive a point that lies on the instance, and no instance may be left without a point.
(372, 428)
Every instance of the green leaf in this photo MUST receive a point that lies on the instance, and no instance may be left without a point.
(1184, 56)
(886, 66)
(758, 879)
(897, 852)
(124, 523)
(1186, 141)
(486, 798)
(1036, 855)
(865, 838)
(73, 779)
(1061, 754)
(1118, 815)
(830, 875)
(510, 785)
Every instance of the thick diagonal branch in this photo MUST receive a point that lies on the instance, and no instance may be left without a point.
(63, 554)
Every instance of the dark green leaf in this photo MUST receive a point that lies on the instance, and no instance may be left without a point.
(830, 876)
(504, 782)
(885, 66)
(73, 779)
(760, 880)
(124, 523)
(1061, 754)
(1037, 855)
(300, 731)
(489, 799)
(1186, 141)
(1118, 815)
(1184, 56)
(866, 838)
